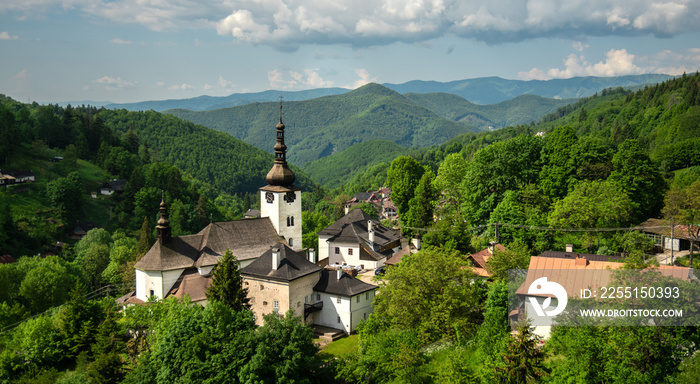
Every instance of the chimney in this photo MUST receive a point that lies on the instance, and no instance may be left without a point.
(339, 272)
(416, 241)
(580, 261)
(569, 248)
(492, 246)
(275, 258)
(312, 255)
(370, 233)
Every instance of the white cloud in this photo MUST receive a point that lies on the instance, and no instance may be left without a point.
(308, 78)
(120, 41)
(114, 83)
(181, 87)
(23, 74)
(619, 62)
(365, 78)
(7, 36)
(286, 24)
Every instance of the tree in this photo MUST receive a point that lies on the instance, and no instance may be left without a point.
(432, 292)
(421, 206)
(146, 239)
(523, 358)
(593, 204)
(94, 262)
(449, 177)
(515, 256)
(502, 166)
(284, 352)
(47, 284)
(226, 284)
(639, 179)
(403, 177)
(559, 165)
(682, 205)
(494, 332)
(66, 194)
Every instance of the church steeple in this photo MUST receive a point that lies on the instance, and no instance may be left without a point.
(280, 174)
(163, 228)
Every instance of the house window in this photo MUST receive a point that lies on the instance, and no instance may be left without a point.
(350, 251)
(358, 299)
(276, 307)
(338, 319)
(306, 299)
(338, 300)
(153, 293)
(365, 315)
(367, 296)
(318, 297)
(337, 250)
(291, 243)
(290, 221)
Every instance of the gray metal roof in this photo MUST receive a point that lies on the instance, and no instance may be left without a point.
(292, 265)
(345, 286)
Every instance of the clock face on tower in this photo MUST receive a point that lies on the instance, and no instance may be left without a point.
(289, 197)
(269, 197)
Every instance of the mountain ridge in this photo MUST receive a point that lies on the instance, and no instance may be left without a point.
(481, 90)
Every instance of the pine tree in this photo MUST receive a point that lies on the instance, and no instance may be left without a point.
(523, 358)
(226, 285)
(146, 239)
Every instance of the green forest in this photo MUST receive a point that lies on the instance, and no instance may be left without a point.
(612, 160)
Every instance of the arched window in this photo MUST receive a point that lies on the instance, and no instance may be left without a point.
(290, 221)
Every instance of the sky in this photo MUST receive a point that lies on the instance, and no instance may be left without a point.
(137, 50)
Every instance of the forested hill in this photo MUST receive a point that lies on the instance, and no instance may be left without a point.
(519, 110)
(322, 126)
(339, 168)
(226, 163)
(205, 103)
(492, 90)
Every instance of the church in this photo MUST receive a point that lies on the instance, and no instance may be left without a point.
(277, 272)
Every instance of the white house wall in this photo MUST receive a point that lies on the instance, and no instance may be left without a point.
(362, 309)
(323, 247)
(344, 256)
(328, 317)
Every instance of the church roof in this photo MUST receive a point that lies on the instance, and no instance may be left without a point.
(191, 284)
(247, 239)
(292, 265)
(345, 286)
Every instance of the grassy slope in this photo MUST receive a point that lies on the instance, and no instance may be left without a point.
(29, 201)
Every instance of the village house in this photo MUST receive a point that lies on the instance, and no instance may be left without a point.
(14, 176)
(277, 273)
(481, 258)
(666, 235)
(357, 239)
(112, 186)
(574, 272)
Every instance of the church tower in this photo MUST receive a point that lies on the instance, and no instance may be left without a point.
(280, 199)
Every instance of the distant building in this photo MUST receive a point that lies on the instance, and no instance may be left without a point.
(357, 239)
(112, 186)
(14, 176)
(482, 257)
